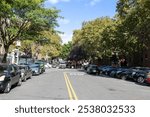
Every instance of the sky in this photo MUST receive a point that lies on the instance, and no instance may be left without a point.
(77, 11)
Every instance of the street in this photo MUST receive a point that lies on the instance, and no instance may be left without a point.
(69, 84)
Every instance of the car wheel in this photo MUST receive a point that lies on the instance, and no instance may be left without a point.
(19, 82)
(140, 80)
(8, 88)
(123, 77)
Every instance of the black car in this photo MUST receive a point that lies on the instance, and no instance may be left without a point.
(26, 72)
(9, 75)
(107, 70)
(129, 73)
(118, 73)
(101, 68)
(113, 72)
(143, 75)
(92, 69)
(104, 69)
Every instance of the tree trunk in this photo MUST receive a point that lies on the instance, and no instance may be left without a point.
(4, 60)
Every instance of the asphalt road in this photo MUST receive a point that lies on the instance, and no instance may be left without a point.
(69, 84)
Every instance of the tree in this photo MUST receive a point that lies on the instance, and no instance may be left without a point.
(24, 19)
(91, 37)
(135, 26)
(66, 49)
(27, 47)
(52, 46)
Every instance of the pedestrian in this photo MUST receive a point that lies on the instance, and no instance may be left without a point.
(123, 62)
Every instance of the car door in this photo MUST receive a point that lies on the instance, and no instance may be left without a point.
(29, 71)
(17, 73)
(12, 74)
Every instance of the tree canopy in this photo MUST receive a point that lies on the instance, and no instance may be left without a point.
(24, 19)
(128, 33)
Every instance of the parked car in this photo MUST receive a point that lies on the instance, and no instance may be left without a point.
(9, 75)
(143, 75)
(101, 69)
(120, 71)
(113, 72)
(92, 69)
(36, 69)
(62, 65)
(26, 72)
(129, 73)
(47, 65)
(41, 64)
(116, 72)
(54, 65)
(107, 70)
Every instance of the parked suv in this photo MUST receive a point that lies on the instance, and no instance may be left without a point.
(9, 75)
(92, 69)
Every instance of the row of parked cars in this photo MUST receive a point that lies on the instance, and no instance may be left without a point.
(138, 74)
(12, 74)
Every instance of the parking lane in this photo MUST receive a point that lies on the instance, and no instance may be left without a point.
(47, 86)
(89, 87)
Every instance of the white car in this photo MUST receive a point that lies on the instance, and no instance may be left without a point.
(47, 65)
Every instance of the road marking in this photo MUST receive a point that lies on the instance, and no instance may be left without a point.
(71, 92)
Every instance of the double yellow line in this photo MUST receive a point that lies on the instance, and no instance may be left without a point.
(71, 92)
